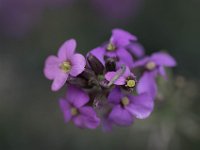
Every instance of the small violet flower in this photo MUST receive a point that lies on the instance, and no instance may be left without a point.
(153, 66)
(116, 48)
(58, 68)
(74, 108)
(127, 78)
(128, 107)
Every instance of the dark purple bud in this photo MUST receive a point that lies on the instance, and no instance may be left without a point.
(78, 81)
(93, 82)
(95, 64)
(87, 74)
(110, 64)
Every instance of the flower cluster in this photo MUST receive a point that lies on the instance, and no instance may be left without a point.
(115, 84)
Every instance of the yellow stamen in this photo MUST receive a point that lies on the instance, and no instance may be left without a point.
(74, 111)
(151, 65)
(110, 47)
(125, 101)
(65, 66)
(130, 83)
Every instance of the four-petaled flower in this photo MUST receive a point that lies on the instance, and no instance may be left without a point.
(74, 108)
(153, 66)
(127, 78)
(116, 48)
(127, 107)
(58, 68)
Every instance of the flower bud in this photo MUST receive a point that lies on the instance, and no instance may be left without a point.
(87, 74)
(95, 64)
(78, 81)
(110, 64)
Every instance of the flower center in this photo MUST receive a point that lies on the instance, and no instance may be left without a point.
(130, 83)
(151, 65)
(65, 66)
(125, 101)
(111, 47)
(74, 111)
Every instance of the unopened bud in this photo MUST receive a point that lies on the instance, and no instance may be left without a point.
(110, 64)
(78, 81)
(95, 64)
(87, 74)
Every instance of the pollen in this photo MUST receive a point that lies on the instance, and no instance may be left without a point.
(130, 83)
(74, 111)
(65, 67)
(151, 65)
(125, 101)
(111, 47)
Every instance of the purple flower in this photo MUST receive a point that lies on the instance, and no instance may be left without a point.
(127, 78)
(153, 65)
(156, 63)
(116, 48)
(58, 68)
(74, 108)
(127, 107)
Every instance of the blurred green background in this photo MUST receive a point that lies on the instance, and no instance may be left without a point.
(29, 113)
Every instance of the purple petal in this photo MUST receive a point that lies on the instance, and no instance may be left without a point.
(127, 72)
(77, 96)
(112, 54)
(110, 75)
(91, 120)
(78, 63)
(51, 68)
(162, 72)
(82, 121)
(147, 84)
(121, 116)
(65, 108)
(87, 111)
(121, 37)
(59, 81)
(141, 62)
(115, 96)
(67, 50)
(163, 59)
(124, 57)
(141, 106)
(136, 49)
(99, 54)
(79, 121)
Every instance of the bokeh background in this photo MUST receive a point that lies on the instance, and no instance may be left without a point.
(30, 30)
